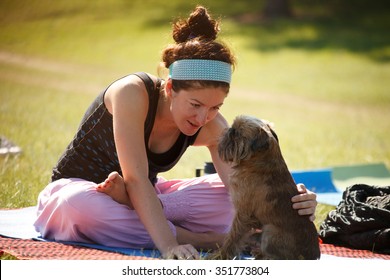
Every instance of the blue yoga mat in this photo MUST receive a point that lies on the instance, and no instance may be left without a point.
(320, 181)
(18, 223)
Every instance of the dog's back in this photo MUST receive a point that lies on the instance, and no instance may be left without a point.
(288, 235)
(285, 233)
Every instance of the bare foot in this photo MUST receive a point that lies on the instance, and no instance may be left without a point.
(114, 186)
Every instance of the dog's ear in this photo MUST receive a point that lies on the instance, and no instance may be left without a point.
(270, 126)
(260, 141)
(274, 134)
(232, 146)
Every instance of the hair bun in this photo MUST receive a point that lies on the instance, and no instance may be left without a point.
(198, 25)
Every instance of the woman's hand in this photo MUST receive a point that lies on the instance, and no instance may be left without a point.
(182, 252)
(305, 202)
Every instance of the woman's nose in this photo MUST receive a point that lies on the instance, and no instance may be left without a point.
(202, 117)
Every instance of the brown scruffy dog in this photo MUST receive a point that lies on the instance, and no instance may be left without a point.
(261, 188)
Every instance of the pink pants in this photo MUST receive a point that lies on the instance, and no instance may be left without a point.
(72, 210)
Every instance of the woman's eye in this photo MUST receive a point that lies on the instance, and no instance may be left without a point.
(195, 105)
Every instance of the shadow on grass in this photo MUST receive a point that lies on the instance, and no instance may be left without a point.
(367, 35)
(357, 26)
(361, 31)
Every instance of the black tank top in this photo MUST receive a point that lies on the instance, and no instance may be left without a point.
(92, 155)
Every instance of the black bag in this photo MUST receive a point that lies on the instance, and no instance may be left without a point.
(361, 220)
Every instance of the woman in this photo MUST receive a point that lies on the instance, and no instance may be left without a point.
(139, 126)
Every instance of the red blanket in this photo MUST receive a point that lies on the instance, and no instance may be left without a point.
(27, 249)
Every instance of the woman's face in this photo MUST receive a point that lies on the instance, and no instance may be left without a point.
(193, 108)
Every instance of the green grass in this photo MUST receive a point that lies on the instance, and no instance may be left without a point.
(322, 80)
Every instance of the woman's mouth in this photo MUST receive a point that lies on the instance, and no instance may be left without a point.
(194, 125)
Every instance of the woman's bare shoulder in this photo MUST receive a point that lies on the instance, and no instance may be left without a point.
(126, 91)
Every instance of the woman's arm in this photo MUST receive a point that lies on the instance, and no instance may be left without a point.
(127, 100)
(209, 137)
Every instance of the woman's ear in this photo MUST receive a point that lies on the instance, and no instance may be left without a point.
(168, 87)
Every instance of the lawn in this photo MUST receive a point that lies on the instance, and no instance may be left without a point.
(323, 80)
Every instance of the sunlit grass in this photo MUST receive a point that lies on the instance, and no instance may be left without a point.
(323, 83)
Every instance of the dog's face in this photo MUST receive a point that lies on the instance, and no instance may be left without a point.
(246, 137)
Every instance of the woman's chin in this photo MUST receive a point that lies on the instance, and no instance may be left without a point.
(190, 129)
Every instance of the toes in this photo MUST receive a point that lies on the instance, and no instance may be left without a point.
(104, 185)
(100, 187)
(112, 176)
(110, 182)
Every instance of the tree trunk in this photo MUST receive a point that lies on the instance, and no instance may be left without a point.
(277, 8)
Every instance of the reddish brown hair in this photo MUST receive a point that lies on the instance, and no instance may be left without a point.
(195, 38)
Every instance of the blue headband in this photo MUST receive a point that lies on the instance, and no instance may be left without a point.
(200, 69)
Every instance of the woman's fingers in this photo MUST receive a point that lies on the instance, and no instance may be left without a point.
(183, 252)
(305, 202)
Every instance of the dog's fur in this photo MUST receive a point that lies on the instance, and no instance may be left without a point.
(261, 188)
